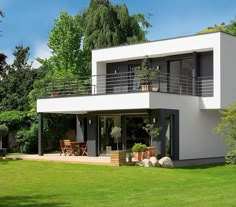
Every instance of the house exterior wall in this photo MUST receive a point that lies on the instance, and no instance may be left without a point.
(169, 47)
(84, 104)
(228, 70)
(196, 139)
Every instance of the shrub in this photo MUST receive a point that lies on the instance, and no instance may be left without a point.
(3, 131)
(28, 139)
(226, 130)
(138, 147)
(13, 119)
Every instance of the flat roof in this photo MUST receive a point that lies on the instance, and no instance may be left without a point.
(138, 43)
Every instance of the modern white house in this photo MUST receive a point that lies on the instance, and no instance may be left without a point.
(196, 79)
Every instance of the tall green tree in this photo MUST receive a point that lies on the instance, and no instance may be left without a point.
(17, 81)
(2, 56)
(226, 129)
(102, 24)
(105, 25)
(65, 43)
(2, 63)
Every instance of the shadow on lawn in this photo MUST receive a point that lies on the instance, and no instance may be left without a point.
(6, 160)
(30, 201)
(202, 166)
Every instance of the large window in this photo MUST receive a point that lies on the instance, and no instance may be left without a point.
(106, 142)
(180, 76)
(135, 132)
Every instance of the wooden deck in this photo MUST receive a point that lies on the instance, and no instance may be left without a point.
(62, 158)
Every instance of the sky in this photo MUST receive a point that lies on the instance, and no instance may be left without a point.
(29, 22)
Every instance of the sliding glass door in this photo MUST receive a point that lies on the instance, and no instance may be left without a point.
(134, 132)
(180, 76)
(106, 142)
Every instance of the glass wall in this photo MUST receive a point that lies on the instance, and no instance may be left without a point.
(135, 132)
(106, 142)
(180, 76)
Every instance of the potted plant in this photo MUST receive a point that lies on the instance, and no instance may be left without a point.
(130, 155)
(139, 151)
(116, 134)
(153, 132)
(3, 133)
(118, 157)
(146, 75)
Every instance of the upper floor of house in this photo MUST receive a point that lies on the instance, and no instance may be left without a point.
(198, 65)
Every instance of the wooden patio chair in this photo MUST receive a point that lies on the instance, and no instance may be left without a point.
(63, 148)
(84, 148)
(68, 147)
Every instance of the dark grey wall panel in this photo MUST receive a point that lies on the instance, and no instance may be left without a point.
(205, 64)
(40, 135)
(92, 135)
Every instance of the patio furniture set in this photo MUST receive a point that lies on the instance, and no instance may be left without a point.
(73, 148)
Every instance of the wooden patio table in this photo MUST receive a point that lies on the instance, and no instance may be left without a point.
(76, 146)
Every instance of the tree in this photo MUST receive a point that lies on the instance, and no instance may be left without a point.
(231, 28)
(102, 24)
(2, 64)
(226, 130)
(105, 25)
(65, 43)
(17, 81)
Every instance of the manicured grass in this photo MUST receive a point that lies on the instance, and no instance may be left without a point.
(49, 184)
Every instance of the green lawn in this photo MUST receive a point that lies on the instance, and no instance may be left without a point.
(49, 184)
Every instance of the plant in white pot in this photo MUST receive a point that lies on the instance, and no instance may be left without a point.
(116, 134)
(147, 74)
(118, 157)
(153, 132)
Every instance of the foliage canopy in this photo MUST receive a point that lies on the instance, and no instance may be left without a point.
(226, 130)
(17, 81)
(3, 130)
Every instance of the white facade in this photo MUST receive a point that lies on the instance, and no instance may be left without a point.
(222, 45)
(197, 115)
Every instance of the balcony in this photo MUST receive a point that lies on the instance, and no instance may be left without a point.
(127, 82)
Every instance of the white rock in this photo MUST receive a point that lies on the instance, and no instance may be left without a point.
(166, 162)
(139, 164)
(146, 163)
(154, 161)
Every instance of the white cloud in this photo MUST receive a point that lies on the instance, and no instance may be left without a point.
(42, 51)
